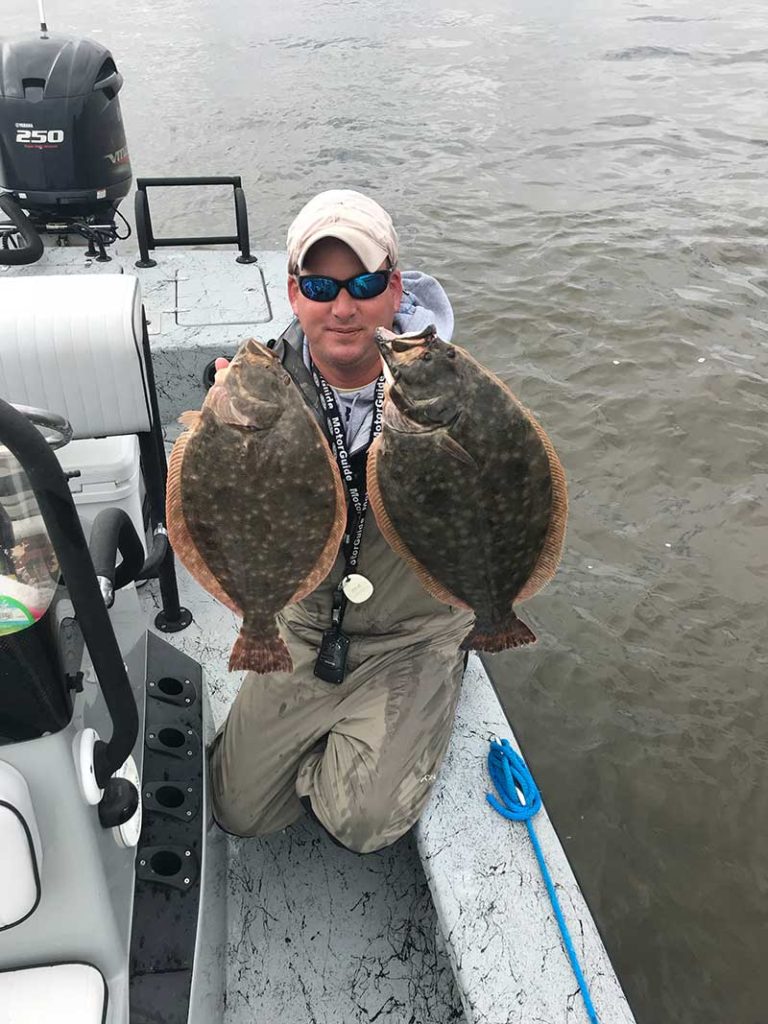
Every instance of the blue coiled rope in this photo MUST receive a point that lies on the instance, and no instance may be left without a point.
(520, 801)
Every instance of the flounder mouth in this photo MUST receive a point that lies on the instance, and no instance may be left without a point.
(398, 349)
(253, 351)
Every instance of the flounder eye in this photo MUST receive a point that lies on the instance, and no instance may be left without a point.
(426, 357)
(286, 379)
(451, 352)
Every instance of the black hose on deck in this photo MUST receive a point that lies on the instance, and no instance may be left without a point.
(113, 531)
(156, 556)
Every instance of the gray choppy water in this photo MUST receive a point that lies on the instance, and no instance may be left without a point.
(588, 181)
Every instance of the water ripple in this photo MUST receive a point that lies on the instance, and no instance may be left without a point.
(645, 53)
(669, 18)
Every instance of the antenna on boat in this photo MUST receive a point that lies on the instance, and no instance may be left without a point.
(43, 26)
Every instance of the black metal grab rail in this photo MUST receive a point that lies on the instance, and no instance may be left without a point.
(57, 508)
(145, 233)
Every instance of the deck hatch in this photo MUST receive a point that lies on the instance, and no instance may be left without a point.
(208, 294)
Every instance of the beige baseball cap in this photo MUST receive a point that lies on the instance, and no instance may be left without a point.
(352, 218)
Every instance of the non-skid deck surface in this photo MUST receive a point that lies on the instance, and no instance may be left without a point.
(317, 934)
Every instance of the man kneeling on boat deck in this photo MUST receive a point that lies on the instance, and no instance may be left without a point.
(357, 732)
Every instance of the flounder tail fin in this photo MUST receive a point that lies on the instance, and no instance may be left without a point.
(513, 632)
(257, 653)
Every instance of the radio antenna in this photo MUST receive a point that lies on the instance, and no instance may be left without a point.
(41, 9)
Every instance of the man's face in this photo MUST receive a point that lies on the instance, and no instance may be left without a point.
(340, 332)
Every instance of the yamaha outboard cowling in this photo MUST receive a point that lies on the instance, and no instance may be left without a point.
(63, 152)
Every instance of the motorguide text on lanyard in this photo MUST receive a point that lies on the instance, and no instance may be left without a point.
(332, 657)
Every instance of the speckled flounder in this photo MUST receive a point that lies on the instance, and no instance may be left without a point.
(465, 485)
(255, 504)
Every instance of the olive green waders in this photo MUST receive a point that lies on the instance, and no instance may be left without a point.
(365, 752)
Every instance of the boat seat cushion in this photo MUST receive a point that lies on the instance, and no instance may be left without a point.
(20, 850)
(60, 994)
(72, 344)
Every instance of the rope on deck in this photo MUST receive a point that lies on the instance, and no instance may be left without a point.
(520, 801)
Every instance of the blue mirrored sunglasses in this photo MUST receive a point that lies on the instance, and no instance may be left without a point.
(361, 286)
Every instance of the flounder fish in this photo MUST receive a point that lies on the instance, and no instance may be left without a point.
(465, 485)
(255, 504)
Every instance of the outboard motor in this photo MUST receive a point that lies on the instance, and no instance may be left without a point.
(63, 153)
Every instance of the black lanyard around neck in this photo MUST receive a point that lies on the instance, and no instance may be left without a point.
(352, 468)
